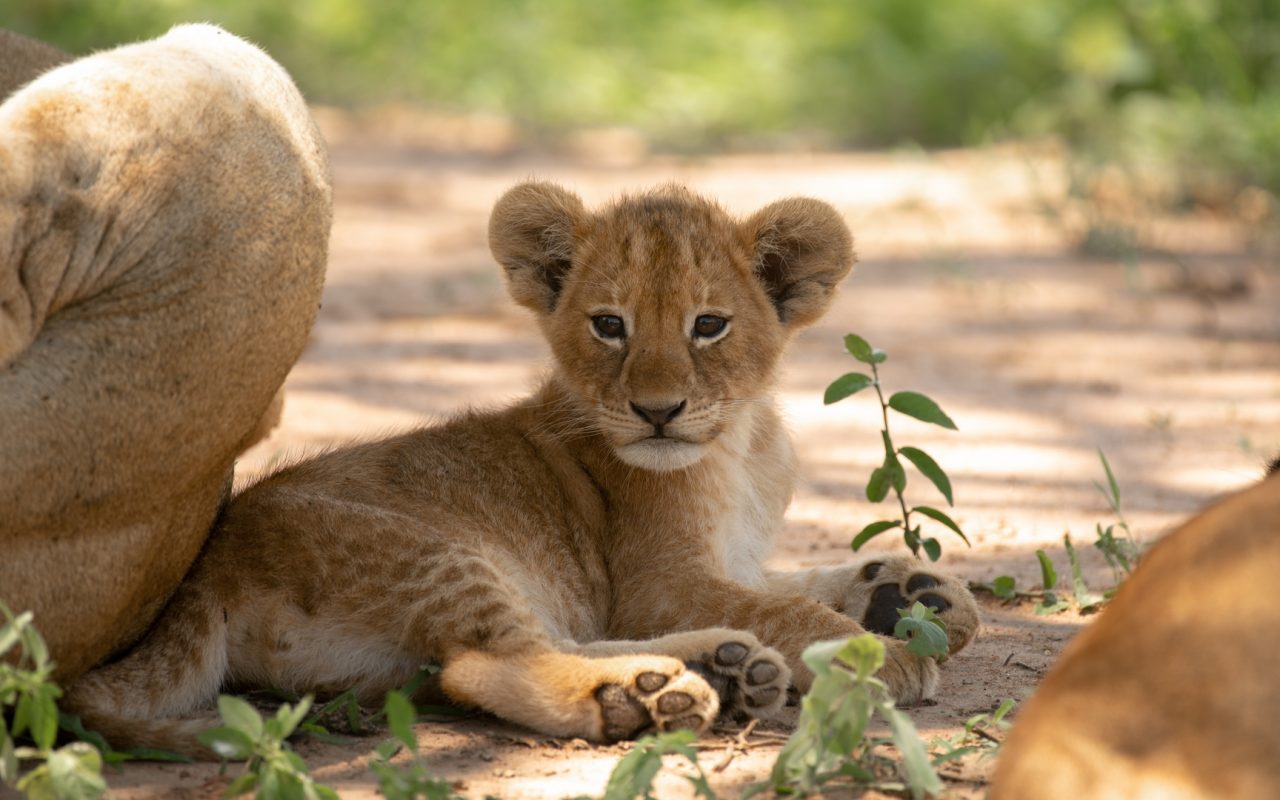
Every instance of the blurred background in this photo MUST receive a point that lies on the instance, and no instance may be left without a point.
(1187, 85)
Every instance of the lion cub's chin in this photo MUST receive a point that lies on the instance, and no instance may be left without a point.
(661, 455)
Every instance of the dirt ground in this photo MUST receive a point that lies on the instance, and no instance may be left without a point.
(981, 299)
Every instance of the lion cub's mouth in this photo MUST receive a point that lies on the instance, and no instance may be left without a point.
(661, 453)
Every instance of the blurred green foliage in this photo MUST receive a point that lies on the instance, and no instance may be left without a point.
(1187, 80)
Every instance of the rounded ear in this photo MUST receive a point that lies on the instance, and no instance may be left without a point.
(802, 251)
(531, 234)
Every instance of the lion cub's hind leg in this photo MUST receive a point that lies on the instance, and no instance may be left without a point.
(564, 694)
(160, 695)
(750, 679)
(873, 592)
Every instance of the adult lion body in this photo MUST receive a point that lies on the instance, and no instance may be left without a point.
(164, 218)
(1172, 692)
(587, 562)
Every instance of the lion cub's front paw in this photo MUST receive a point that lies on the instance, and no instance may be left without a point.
(878, 589)
(911, 679)
(661, 699)
(750, 678)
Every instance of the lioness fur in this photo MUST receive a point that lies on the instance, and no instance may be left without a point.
(164, 220)
(1172, 692)
(587, 562)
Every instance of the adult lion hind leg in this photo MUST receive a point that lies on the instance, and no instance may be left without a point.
(750, 679)
(164, 220)
(162, 693)
(873, 592)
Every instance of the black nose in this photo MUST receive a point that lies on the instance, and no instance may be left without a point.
(657, 417)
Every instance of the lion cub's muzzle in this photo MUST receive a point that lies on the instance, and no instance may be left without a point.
(659, 417)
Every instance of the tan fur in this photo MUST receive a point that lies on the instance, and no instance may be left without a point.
(1172, 692)
(571, 570)
(164, 216)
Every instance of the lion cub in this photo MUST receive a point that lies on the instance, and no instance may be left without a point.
(587, 562)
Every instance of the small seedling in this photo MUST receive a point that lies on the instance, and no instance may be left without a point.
(979, 736)
(413, 780)
(891, 474)
(1049, 602)
(1121, 553)
(633, 775)
(273, 770)
(73, 772)
(830, 742)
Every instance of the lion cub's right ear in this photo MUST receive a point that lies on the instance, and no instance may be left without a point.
(531, 234)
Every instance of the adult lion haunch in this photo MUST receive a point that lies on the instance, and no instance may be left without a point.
(1172, 692)
(588, 561)
(164, 219)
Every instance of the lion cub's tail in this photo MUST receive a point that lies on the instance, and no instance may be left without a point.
(157, 696)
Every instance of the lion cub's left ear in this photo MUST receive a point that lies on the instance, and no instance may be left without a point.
(802, 251)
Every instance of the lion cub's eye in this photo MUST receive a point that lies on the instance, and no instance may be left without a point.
(707, 326)
(608, 326)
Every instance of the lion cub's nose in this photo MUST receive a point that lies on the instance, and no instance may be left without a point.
(658, 417)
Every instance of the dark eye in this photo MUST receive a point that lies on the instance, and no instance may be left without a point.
(708, 325)
(608, 326)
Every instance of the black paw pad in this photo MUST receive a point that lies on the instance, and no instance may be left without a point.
(651, 681)
(921, 581)
(674, 702)
(935, 601)
(723, 684)
(882, 613)
(871, 570)
(730, 653)
(761, 672)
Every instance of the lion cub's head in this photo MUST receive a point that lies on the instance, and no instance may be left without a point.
(666, 315)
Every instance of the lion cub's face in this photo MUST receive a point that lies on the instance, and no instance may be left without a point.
(665, 315)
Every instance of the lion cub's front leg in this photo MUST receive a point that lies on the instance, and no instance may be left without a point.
(872, 593)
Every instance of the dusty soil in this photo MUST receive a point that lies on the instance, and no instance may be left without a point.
(981, 299)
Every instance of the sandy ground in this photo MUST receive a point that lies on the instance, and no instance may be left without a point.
(1041, 355)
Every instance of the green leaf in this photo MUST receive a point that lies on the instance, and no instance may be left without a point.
(75, 772)
(924, 636)
(1048, 575)
(871, 531)
(932, 548)
(920, 777)
(846, 386)
(8, 761)
(914, 404)
(1085, 599)
(288, 717)
(878, 485)
(241, 785)
(228, 743)
(1113, 498)
(938, 516)
(1051, 605)
(1003, 587)
(865, 653)
(325, 792)
(930, 469)
(241, 716)
(861, 350)
(400, 718)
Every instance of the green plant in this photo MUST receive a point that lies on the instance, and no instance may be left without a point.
(924, 631)
(978, 736)
(633, 775)
(891, 474)
(72, 772)
(412, 780)
(1121, 553)
(273, 770)
(830, 742)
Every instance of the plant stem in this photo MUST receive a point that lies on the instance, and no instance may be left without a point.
(884, 414)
